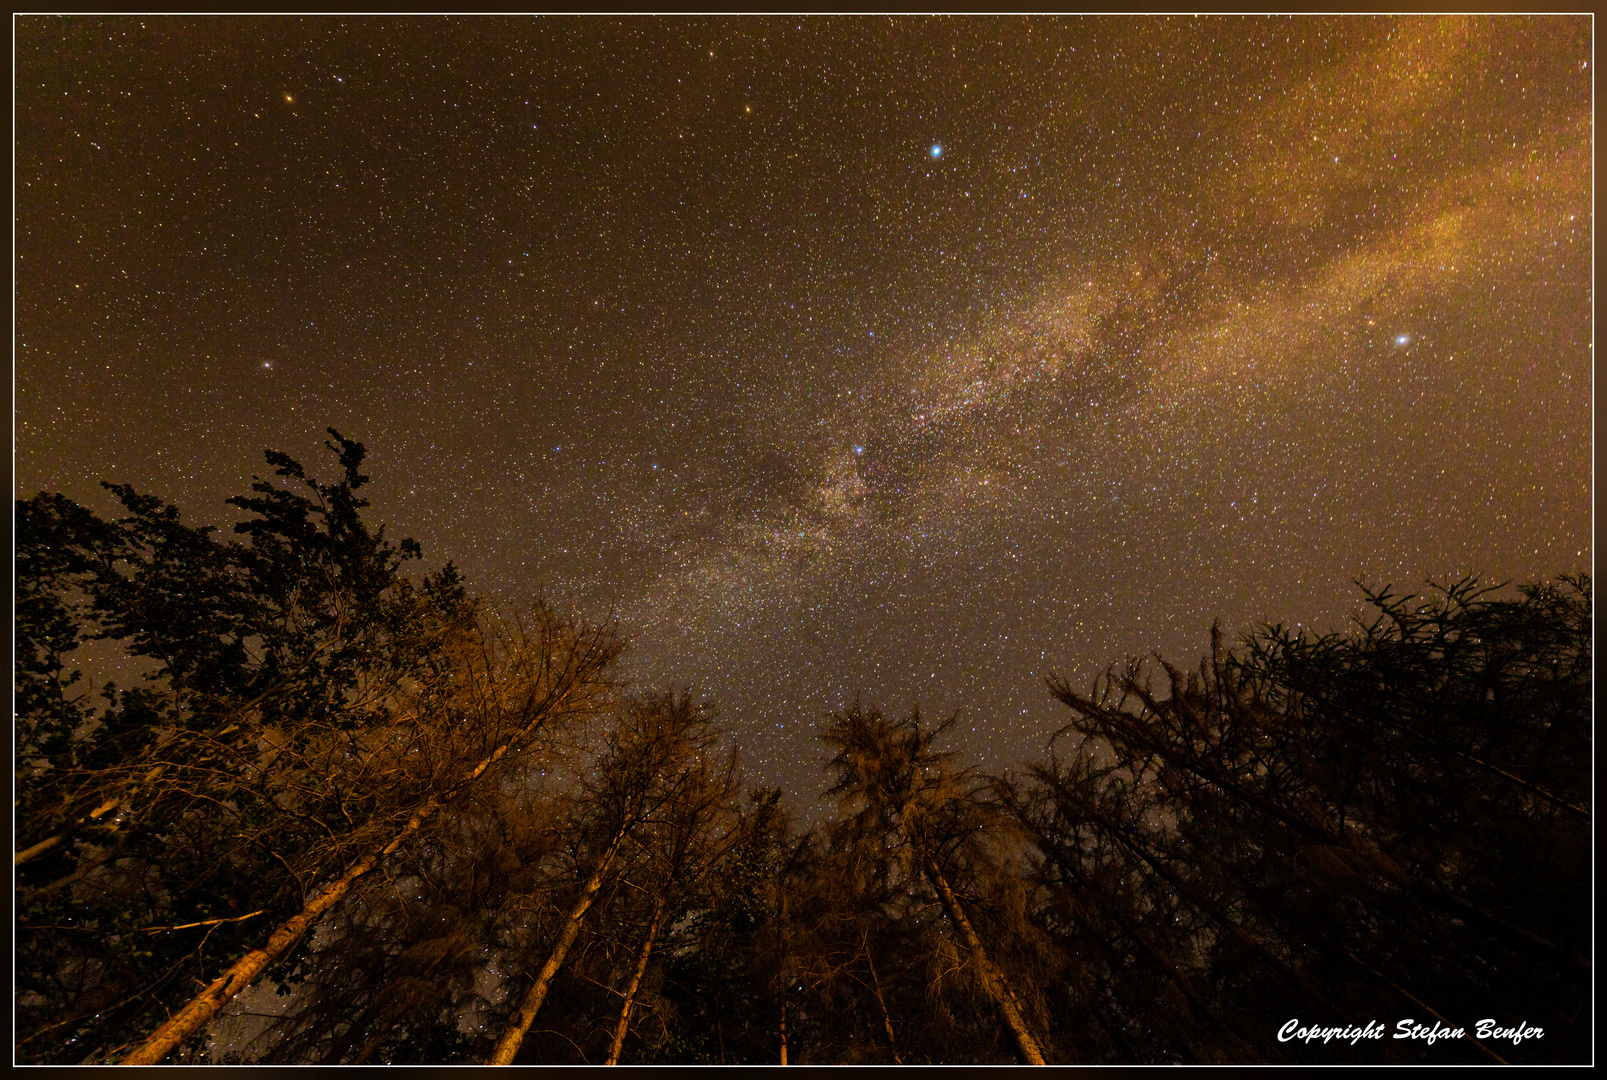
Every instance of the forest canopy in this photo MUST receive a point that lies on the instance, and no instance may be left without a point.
(354, 815)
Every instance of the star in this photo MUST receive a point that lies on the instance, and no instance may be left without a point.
(802, 282)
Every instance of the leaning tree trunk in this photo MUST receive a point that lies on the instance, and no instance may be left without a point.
(190, 1019)
(514, 1034)
(876, 985)
(992, 979)
(37, 850)
(624, 1023)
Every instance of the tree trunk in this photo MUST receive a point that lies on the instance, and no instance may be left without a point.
(783, 1025)
(624, 1022)
(190, 1019)
(781, 973)
(30, 853)
(37, 850)
(876, 985)
(992, 980)
(514, 1034)
(27, 895)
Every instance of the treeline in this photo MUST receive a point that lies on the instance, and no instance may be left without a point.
(447, 835)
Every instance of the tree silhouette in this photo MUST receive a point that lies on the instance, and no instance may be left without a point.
(1395, 815)
(1390, 820)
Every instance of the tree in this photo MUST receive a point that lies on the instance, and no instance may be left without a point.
(904, 788)
(1397, 814)
(717, 1000)
(843, 905)
(159, 807)
(678, 846)
(400, 975)
(652, 758)
(557, 677)
(309, 708)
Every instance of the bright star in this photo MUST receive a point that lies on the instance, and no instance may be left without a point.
(1403, 339)
(937, 150)
(859, 449)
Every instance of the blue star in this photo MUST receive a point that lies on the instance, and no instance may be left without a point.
(937, 149)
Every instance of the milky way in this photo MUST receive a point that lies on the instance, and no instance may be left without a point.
(692, 324)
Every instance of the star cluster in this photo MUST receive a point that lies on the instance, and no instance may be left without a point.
(908, 359)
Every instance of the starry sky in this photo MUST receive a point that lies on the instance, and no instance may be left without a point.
(903, 359)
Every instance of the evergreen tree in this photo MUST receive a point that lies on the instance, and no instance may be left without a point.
(1394, 820)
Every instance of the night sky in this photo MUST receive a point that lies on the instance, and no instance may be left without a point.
(910, 359)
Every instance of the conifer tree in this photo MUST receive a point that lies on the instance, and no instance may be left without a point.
(1398, 815)
(653, 756)
(904, 787)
